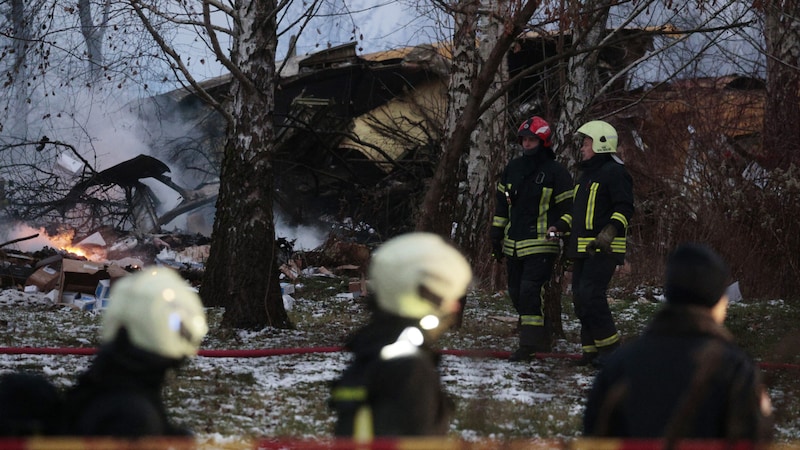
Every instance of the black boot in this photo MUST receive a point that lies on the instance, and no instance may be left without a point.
(523, 353)
(586, 359)
(536, 340)
(603, 353)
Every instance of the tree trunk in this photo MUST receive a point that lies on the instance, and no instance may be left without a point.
(781, 137)
(487, 150)
(581, 82)
(93, 36)
(241, 273)
(440, 207)
(441, 200)
(19, 98)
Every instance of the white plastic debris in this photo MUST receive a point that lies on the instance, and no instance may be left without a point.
(288, 302)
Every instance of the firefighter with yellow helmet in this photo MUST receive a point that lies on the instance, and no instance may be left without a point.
(154, 322)
(392, 387)
(597, 227)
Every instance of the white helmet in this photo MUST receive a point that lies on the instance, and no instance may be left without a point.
(417, 275)
(160, 312)
(604, 136)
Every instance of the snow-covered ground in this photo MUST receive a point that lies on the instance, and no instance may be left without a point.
(285, 396)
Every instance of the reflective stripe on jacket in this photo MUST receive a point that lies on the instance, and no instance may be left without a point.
(603, 195)
(532, 193)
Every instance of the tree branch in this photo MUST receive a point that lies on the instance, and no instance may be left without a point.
(169, 51)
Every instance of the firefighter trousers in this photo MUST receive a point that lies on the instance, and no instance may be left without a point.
(590, 279)
(527, 277)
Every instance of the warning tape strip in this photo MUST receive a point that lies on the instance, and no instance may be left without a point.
(266, 352)
(419, 443)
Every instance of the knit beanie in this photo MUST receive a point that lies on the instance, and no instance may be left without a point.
(696, 275)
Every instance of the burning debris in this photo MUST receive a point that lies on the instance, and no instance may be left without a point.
(78, 269)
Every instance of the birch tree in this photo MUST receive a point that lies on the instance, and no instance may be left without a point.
(441, 204)
(487, 151)
(581, 81)
(241, 269)
(93, 33)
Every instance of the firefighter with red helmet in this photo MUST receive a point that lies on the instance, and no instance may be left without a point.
(597, 226)
(534, 190)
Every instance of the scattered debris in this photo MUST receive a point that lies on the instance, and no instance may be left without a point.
(81, 274)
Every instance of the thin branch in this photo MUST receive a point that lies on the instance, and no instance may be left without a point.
(202, 93)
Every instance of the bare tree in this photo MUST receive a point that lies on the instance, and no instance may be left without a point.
(440, 204)
(242, 270)
(487, 151)
(782, 119)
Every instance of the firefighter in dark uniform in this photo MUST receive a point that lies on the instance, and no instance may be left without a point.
(597, 226)
(684, 377)
(392, 386)
(153, 323)
(533, 192)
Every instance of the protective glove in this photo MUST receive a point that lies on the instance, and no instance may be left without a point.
(603, 240)
(497, 249)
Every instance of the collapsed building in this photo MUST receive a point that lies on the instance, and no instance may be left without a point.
(358, 135)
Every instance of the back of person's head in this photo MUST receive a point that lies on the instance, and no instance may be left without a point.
(158, 311)
(29, 405)
(696, 275)
(417, 275)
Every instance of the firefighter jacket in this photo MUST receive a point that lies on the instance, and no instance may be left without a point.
(603, 195)
(532, 193)
(120, 394)
(392, 387)
(683, 378)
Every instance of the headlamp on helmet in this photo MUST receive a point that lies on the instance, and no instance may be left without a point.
(417, 275)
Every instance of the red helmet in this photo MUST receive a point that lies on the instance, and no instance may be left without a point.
(536, 126)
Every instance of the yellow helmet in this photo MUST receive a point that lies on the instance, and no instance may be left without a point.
(604, 136)
(160, 312)
(418, 274)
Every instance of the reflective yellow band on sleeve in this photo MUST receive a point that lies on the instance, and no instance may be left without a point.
(618, 244)
(620, 218)
(500, 221)
(349, 394)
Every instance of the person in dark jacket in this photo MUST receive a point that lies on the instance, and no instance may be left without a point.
(30, 405)
(153, 323)
(533, 192)
(684, 377)
(392, 387)
(597, 225)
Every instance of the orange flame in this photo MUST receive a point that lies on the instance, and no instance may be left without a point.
(63, 241)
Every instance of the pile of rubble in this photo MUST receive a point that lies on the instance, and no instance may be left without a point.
(82, 273)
